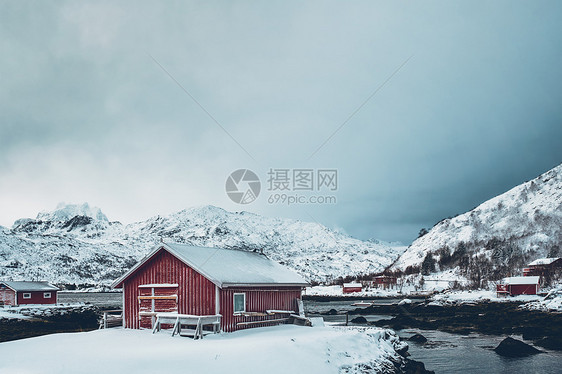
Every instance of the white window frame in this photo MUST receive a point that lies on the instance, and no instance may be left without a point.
(47, 295)
(234, 303)
(26, 295)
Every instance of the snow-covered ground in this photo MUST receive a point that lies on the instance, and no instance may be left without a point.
(413, 285)
(475, 296)
(38, 311)
(551, 302)
(337, 291)
(271, 350)
(6, 313)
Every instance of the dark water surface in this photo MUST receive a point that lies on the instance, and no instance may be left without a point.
(452, 353)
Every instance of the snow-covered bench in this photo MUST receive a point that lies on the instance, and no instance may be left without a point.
(177, 320)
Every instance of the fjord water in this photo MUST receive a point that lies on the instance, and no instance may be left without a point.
(453, 353)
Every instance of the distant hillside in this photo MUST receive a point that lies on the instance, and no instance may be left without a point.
(77, 244)
(496, 238)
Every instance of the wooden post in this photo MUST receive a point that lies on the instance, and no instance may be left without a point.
(346, 318)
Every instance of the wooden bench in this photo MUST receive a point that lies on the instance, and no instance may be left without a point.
(179, 320)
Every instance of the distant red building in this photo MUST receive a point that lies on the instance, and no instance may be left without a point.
(543, 266)
(245, 288)
(385, 281)
(514, 286)
(352, 287)
(21, 293)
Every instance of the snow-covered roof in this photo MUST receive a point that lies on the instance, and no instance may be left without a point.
(227, 267)
(29, 286)
(352, 285)
(544, 261)
(522, 280)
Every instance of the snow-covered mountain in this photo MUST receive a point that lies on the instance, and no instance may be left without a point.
(77, 244)
(499, 236)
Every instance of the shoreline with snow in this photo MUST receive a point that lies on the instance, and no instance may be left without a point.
(279, 349)
(552, 302)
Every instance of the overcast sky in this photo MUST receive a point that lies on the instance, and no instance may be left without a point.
(467, 105)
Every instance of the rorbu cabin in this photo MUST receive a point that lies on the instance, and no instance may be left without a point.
(352, 287)
(244, 289)
(543, 266)
(23, 292)
(385, 281)
(514, 286)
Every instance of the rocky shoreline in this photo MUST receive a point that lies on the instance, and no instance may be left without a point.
(544, 329)
(43, 321)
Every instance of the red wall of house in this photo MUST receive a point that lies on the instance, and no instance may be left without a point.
(196, 294)
(36, 298)
(258, 299)
(352, 289)
(7, 295)
(522, 289)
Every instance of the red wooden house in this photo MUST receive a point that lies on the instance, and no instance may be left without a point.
(514, 286)
(385, 281)
(543, 266)
(352, 287)
(20, 293)
(246, 288)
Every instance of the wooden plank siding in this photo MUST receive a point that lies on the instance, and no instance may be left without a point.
(196, 294)
(258, 299)
(7, 295)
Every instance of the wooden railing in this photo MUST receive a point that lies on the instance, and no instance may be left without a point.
(111, 318)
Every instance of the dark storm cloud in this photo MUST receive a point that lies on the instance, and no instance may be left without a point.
(86, 115)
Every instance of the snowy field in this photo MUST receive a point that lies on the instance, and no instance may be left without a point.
(271, 350)
(551, 302)
(37, 311)
(475, 296)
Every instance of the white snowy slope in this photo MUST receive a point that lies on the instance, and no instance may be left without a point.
(77, 244)
(522, 224)
(273, 350)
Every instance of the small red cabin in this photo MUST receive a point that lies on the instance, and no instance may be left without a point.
(514, 286)
(543, 266)
(246, 288)
(352, 287)
(385, 281)
(21, 293)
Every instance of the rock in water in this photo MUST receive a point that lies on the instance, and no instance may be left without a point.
(416, 367)
(359, 319)
(510, 347)
(550, 342)
(418, 338)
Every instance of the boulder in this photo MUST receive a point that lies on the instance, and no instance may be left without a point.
(510, 347)
(359, 319)
(550, 342)
(418, 338)
(416, 367)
